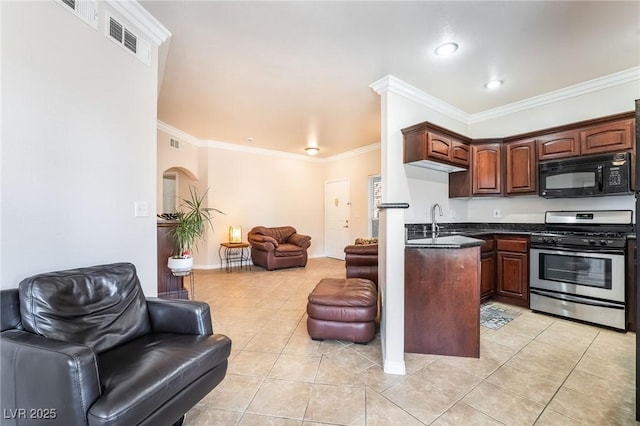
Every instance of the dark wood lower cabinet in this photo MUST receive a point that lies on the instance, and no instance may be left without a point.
(512, 270)
(487, 269)
(169, 286)
(442, 299)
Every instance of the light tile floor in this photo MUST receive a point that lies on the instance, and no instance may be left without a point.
(535, 370)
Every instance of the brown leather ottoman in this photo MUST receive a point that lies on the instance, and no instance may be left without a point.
(343, 309)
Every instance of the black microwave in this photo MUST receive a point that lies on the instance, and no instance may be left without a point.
(588, 176)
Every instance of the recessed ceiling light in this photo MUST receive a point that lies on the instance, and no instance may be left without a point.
(312, 150)
(494, 84)
(446, 49)
(249, 139)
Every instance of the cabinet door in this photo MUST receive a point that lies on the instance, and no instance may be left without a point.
(521, 167)
(487, 267)
(612, 137)
(438, 146)
(486, 167)
(459, 153)
(559, 145)
(487, 275)
(513, 276)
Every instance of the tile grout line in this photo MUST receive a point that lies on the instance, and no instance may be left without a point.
(491, 374)
(565, 380)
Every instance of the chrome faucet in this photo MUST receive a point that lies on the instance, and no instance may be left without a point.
(434, 221)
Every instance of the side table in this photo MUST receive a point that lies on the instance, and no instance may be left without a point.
(237, 253)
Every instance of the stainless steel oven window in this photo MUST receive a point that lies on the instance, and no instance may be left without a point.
(571, 180)
(579, 270)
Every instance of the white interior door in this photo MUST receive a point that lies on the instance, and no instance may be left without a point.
(337, 214)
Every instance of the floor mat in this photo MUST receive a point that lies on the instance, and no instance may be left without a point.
(494, 317)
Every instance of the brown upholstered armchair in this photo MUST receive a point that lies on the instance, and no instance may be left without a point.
(361, 261)
(279, 247)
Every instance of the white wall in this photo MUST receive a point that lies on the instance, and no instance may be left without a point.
(78, 146)
(260, 189)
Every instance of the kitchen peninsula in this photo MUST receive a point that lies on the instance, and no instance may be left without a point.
(442, 296)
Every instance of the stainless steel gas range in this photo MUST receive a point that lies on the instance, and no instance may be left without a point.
(577, 266)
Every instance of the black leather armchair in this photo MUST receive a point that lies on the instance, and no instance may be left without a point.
(84, 347)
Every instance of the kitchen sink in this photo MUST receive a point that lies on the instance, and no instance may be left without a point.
(442, 233)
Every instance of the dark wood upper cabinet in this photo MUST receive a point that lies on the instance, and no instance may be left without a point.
(509, 166)
(521, 167)
(459, 153)
(426, 143)
(438, 146)
(486, 168)
(559, 145)
(612, 137)
(484, 177)
(447, 149)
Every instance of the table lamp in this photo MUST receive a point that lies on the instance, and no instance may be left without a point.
(235, 234)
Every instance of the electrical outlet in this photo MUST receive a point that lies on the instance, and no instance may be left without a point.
(452, 214)
(496, 213)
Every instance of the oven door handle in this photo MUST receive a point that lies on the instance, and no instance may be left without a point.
(579, 300)
(582, 249)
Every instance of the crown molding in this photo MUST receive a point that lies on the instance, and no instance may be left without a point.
(260, 151)
(395, 85)
(611, 80)
(186, 137)
(353, 152)
(132, 11)
(167, 128)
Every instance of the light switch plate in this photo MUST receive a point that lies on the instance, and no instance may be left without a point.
(141, 209)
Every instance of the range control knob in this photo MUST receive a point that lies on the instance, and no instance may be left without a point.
(603, 242)
(592, 242)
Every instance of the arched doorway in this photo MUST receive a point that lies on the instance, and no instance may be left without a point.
(175, 185)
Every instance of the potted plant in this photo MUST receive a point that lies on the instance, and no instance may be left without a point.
(193, 219)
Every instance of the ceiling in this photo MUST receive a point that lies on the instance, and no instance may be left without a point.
(284, 75)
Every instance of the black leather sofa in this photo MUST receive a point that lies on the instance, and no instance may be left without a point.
(84, 347)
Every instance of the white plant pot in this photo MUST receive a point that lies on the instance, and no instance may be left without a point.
(180, 266)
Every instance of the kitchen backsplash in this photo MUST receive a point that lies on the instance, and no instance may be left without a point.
(524, 209)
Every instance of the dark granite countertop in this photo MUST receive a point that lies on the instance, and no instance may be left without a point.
(447, 241)
(416, 231)
(471, 229)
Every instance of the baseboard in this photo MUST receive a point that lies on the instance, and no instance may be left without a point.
(395, 367)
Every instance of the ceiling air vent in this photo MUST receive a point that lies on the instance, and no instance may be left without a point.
(127, 39)
(87, 10)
